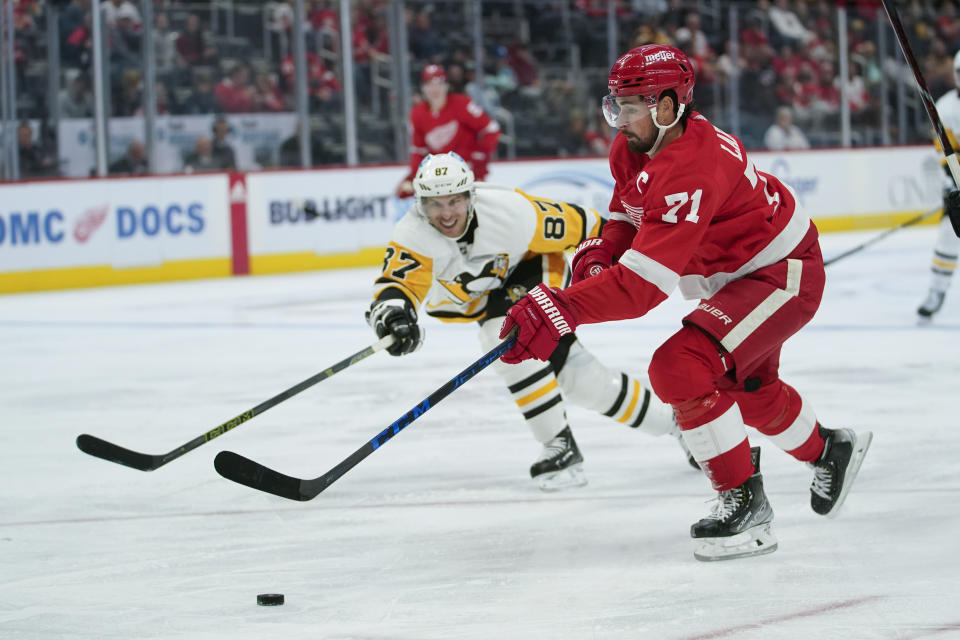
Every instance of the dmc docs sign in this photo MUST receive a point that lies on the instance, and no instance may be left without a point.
(119, 222)
(355, 208)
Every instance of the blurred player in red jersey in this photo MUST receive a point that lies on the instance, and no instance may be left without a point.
(448, 122)
(690, 210)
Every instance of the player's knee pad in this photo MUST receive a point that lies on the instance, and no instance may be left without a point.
(777, 411)
(685, 367)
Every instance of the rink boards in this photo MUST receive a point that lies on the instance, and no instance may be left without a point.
(78, 232)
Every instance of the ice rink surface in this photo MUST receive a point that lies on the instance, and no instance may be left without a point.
(441, 534)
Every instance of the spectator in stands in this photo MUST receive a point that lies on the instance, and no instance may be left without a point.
(201, 98)
(202, 157)
(162, 97)
(113, 10)
(755, 45)
(786, 25)
(857, 96)
(322, 84)
(691, 32)
(947, 26)
(523, 65)
(500, 76)
(194, 44)
(323, 17)
(267, 96)
(573, 140)
(72, 17)
(76, 101)
(164, 42)
(128, 98)
(456, 78)
(78, 47)
(234, 93)
(426, 44)
(34, 162)
(223, 154)
(783, 134)
(133, 162)
(124, 41)
(650, 32)
(937, 68)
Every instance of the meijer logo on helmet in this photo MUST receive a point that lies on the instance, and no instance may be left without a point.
(660, 55)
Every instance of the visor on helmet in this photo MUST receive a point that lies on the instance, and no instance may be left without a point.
(619, 113)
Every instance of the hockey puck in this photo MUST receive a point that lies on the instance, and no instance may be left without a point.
(270, 599)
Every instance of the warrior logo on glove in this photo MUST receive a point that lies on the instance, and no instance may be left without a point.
(543, 317)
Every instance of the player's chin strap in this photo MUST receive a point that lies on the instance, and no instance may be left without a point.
(662, 128)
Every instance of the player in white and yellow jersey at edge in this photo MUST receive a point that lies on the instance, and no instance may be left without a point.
(466, 252)
(947, 246)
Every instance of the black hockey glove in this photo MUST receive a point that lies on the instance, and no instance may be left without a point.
(951, 209)
(399, 319)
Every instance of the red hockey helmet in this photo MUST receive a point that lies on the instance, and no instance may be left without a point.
(650, 70)
(647, 72)
(432, 72)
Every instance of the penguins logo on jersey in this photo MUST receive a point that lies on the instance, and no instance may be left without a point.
(467, 286)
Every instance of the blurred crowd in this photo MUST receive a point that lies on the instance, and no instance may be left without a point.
(212, 60)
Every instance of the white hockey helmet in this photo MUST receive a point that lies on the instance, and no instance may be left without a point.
(443, 174)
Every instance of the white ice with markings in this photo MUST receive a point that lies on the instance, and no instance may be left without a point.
(440, 533)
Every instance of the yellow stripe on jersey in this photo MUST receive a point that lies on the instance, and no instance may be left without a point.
(539, 393)
(634, 398)
(559, 224)
(554, 269)
(408, 270)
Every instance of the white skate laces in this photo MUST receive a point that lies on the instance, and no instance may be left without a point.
(822, 481)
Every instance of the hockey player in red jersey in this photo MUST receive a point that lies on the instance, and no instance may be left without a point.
(445, 122)
(690, 210)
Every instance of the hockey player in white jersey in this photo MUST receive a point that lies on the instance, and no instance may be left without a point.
(465, 253)
(947, 246)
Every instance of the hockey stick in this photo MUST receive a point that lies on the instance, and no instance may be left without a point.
(860, 247)
(242, 470)
(147, 462)
(928, 104)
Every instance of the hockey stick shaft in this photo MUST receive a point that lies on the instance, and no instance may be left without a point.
(244, 471)
(860, 247)
(953, 164)
(100, 448)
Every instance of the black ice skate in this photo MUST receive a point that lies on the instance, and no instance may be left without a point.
(560, 465)
(837, 468)
(739, 525)
(930, 305)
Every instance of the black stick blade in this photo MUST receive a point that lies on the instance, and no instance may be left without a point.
(98, 448)
(233, 466)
